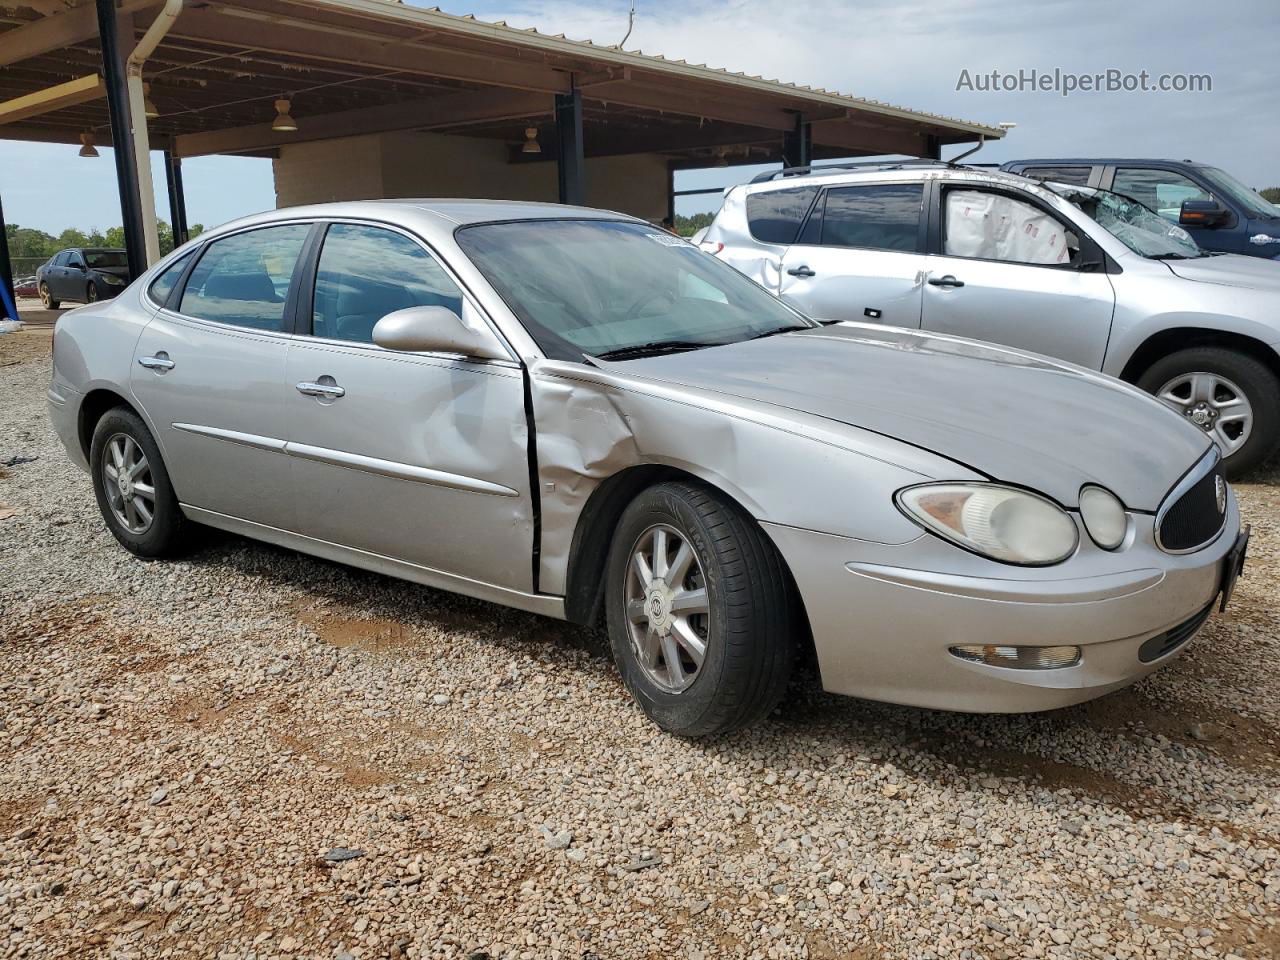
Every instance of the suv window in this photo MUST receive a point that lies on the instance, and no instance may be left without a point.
(875, 217)
(1064, 174)
(1161, 190)
(774, 216)
(163, 285)
(993, 226)
(244, 279)
(365, 273)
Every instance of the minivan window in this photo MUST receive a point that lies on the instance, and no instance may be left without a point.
(365, 273)
(874, 217)
(244, 279)
(163, 285)
(774, 216)
(1062, 174)
(1161, 190)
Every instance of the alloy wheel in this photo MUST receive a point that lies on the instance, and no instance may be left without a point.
(129, 484)
(1214, 404)
(46, 300)
(667, 610)
(91, 295)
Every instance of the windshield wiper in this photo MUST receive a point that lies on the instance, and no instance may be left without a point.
(1170, 256)
(655, 348)
(774, 333)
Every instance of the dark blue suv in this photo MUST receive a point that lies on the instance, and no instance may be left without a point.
(1219, 211)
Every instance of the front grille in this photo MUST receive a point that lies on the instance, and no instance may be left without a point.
(1163, 644)
(1194, 518)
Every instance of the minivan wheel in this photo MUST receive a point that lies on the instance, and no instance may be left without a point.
(1231, 396)
(132, 487)
(698, 611)
(46, 298)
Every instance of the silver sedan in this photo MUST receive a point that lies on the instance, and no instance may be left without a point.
(575, 413)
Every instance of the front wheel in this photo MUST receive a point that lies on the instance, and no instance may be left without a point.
(46, 298)
(1231, 396)
(91, 293)
(699, 611)
(132, 487)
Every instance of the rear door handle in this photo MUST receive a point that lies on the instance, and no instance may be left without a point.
(947, 281)
(160, 362)
(329, 390)
(802, 271)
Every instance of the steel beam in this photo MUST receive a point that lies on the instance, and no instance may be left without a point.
(69, 94)
(113, 70)
(571, 165)
(177, 198)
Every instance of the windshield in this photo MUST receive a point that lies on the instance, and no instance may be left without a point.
(618, 290)
(1237, 191)
(105, 258)
(1139, 228)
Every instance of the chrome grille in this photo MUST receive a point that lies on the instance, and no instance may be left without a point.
(1190, 516)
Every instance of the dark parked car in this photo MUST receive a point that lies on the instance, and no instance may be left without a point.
(1219, 211)
(86, 274)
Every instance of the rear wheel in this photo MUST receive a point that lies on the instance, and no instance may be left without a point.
(46, 298)
(699, 611)
(1231, 396)
(132, 487)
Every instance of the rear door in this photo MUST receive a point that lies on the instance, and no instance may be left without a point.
(209, 373)
(860, 255)
(1005, 268)
(421, 457)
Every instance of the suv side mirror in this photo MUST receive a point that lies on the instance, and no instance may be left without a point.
(1203, 213)
(435, 330)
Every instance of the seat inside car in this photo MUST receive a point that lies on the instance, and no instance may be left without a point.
(241, 286)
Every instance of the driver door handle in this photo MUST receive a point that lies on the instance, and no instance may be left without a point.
(947, 281)
(332, 390)
(160, 362)
(802, 271)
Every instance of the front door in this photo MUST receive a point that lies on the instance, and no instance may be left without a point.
(1164, 191)
(860, 256)
(1008, 271)
(210, 376)
(415, 456)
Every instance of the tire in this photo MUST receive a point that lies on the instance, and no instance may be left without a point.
(91, 293)
(46, 298)
(1255, 381)
(747, 626)
(168, 531)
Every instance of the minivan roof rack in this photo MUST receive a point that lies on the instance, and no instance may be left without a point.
(860, 165)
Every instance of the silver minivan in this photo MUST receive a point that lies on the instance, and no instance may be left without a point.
(1072, 272)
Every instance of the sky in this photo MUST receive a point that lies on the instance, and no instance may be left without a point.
(906, 52)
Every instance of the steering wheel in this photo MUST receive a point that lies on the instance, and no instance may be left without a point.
(649, 298)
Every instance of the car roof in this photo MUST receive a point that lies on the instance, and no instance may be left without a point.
(879, 172)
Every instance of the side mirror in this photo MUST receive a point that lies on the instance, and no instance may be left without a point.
(434, 330)
(80, 266)
(1203, 213)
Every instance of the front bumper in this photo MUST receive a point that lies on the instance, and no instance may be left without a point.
(884, 616)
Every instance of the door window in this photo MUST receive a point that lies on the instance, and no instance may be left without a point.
(875, 217)
(1075, 175)
(244, 279)
(774, 216)
(1161, 190)
(61, 259)
(993, 226)
(74, 259)
(163, 285)
(365, 273)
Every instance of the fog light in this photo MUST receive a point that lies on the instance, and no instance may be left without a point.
(1020, 658)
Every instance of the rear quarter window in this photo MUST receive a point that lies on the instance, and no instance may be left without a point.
(1064, 174)
(774, 216)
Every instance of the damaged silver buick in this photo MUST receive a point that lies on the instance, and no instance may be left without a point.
(574, 413)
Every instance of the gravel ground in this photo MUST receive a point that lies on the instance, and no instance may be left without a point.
(251, 753)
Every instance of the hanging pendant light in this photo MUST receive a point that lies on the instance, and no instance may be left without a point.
(530, 144)
(148, 107)
(283, 123)
(86, 145)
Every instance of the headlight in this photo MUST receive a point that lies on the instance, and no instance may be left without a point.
(1003, 523)
(1103, 517)
(112, 280)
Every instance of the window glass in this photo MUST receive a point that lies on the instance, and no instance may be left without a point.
(1077, 175)
(365, 273)
(106, 258)
(163, 285)
(74, 259)
(244, 279)
(1251, 200)
(992, 226)
(1161, 190)
(876, 217)
(60, 260)
(774, 216)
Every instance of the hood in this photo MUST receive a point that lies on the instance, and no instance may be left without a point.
(1015, 417)
(1230, 269)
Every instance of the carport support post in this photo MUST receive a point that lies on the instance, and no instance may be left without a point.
(572, 163)
(177, 199)
(7, 307)
(797, 146)
(932, 148)
(113, 73)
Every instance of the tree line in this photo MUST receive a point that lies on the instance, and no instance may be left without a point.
(29, 245)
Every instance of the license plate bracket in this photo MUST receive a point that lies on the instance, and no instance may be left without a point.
(1233, 566)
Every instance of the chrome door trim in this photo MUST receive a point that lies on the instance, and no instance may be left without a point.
(545, 604)
(397, 471)
(232, 436)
